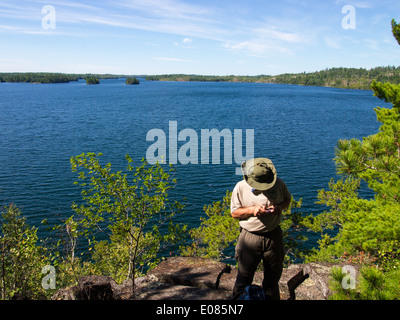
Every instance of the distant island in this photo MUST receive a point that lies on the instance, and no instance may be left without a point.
(131, 80)
(348, 78)
(92, 80)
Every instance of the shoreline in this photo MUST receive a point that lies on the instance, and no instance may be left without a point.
(341, 78)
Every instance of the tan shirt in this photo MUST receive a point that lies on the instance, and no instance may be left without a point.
(244, 196)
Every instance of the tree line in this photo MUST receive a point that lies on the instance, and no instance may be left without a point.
(35, 77)
(44, 77)
(350, 78)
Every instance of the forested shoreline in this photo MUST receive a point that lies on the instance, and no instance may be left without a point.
(45, 77)
(349, 78)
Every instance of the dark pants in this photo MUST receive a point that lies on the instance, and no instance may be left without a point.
(250, 250)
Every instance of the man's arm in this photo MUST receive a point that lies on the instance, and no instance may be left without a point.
(257, 210)
(247, 212)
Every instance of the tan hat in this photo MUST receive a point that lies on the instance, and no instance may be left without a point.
(259, 173)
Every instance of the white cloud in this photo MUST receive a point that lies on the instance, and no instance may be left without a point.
(184, 43)
(9, 28)
(333, 43)
(257, 47)
(165, 8)
(167, 16)
(273, 33)
(372, 44)
(356, 3)
(172, 59)
(268, 41)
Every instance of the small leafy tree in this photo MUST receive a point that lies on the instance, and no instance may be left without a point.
(127, 221)
(21, 258)
(70, 266)
(218, 232)
(293, 227)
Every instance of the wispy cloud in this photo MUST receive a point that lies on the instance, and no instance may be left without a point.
(173, 59)
(257, 47)
(167, 16)
(175, 17)
(273, 33)
(333, 43)
(8, 28)
(166, 8)
(11, 10)
(267, 41)
(172, 17)
(372, 44)
(362, 4)
(185, 43)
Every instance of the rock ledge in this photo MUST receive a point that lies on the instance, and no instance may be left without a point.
(187, 278)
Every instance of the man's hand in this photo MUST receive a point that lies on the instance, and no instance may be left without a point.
(276, 209)
(258, 210)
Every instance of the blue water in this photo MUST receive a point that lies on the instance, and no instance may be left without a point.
(43, 125)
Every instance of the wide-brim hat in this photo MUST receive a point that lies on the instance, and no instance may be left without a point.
(259, 173)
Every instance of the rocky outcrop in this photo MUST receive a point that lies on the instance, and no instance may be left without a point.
(186, 278)
(316, 284)
(95, 288)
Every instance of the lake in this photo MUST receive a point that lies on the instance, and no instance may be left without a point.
(297, 127)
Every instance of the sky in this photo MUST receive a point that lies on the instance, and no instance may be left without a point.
(218, 37)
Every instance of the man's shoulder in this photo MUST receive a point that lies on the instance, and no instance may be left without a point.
(279, 181)
(281, 185)
(242, 184)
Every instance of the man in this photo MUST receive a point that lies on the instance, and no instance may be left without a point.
(258, 202)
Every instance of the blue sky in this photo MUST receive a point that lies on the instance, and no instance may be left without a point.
(218, 37)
